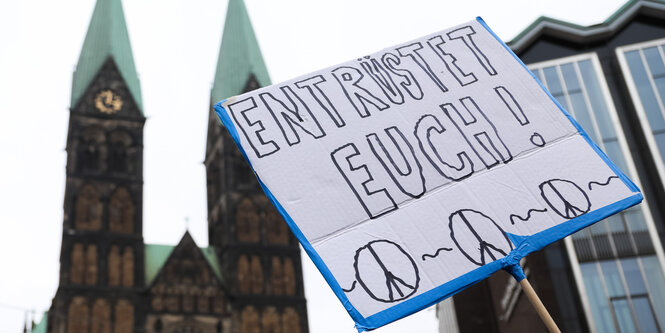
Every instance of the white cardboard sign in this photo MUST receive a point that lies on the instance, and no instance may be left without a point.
(414, 172)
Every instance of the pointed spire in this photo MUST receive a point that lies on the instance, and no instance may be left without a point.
(239, 56)
(107, 37)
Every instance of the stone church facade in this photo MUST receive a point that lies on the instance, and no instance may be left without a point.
(249, 279)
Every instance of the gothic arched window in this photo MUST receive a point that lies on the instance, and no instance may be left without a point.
(119, 159)
(247, 222)
(121, 212)
(257, 275)
(244, 282)
(278, 231)
(128, 267)
(91, 268)
(277, 277)
(249, 320)
(91, 151)
(270, 321)
(77, 315)
(289, 277)
(124, 317)
(290, 321)
(101, 317)
(88, 214)
(77, 264)
(115, 265)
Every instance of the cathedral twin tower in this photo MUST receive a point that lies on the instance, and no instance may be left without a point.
(249, 279)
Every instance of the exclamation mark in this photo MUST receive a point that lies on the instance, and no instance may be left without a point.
(514, 107)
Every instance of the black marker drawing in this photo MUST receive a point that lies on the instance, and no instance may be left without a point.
(312, 85)
(436, 43)
(537, 140)
(386, 272)
(609, 179)
(528, 215)
(358, 93)
(565, 198)
(292, 115)
(425, 128)
(465, 34)
(407, 179)
(360, 179)
(517, 111)
(243, 108)
(383, 79)
(411, 51)
(353, 286)
(491, 242)
(472, 122)
(436, 254)
(408, 81)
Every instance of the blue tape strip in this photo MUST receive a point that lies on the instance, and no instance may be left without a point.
(523, 244)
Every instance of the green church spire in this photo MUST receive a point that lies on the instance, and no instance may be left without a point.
(107, 37)
(239, 56)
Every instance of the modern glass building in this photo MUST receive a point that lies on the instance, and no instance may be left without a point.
(609, 277)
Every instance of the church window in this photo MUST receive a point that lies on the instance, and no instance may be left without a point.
(101, 317)
(249, 320)
(289, 277)
(187, 302)
(172, 303)
(120, 143)
(247, 222)
(76, 267)
(121, 212)
(91, 268)
(88, 214)
(78, 315)
(90, 150)
(278, 231)
(290, 321)
(270, 320)
(244, 282)
(124, 317)
(128, 267)
(203, 303)
(257, 275)
(277, 277)
(115, 265)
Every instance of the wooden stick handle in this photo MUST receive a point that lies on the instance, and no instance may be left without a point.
(538, 305)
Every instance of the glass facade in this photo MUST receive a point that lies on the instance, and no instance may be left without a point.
(621, 275)
(643, 66)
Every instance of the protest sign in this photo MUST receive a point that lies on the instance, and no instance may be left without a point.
(412, 173)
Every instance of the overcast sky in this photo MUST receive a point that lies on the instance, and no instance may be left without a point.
(175, 45)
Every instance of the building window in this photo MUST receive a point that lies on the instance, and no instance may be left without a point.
(124, 317)
(88, 214)
(121, 212)
(643, 67)
(621, 293)
(120, 145)
(624, 295)
(78, 315)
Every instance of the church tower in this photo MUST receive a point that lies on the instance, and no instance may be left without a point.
(101, 260)
(260, 257)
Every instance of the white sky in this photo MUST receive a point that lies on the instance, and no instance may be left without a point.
(175, 46)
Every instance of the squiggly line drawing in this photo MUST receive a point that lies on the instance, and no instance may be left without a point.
(609, 179)
(436, 253)
(528, 215)
(353, 286)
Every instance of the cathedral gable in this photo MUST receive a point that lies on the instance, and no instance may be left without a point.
(108, 95)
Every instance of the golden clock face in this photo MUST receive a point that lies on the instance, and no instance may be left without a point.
(108, 101)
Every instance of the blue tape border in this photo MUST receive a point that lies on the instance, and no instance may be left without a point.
(524, 245)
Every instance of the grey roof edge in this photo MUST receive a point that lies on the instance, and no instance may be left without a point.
(584, 34)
